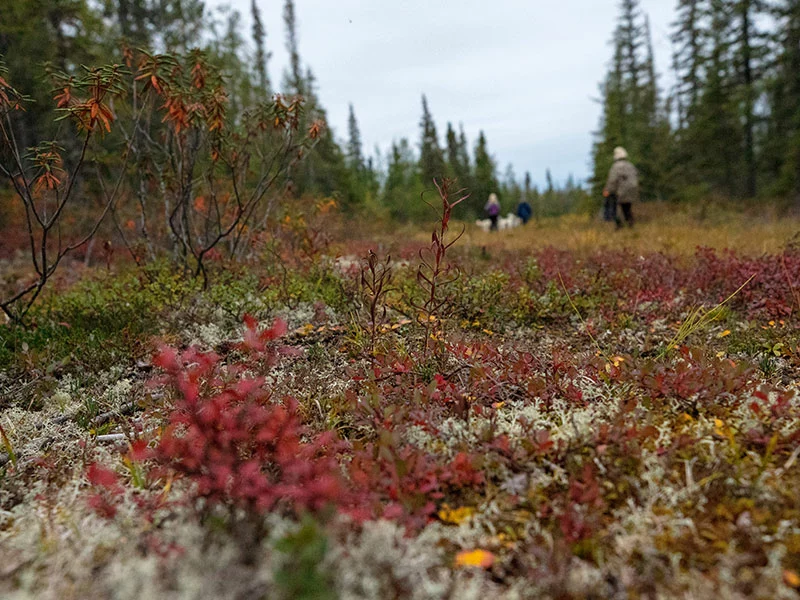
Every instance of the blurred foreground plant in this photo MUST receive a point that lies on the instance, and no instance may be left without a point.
(48, 185)
(177, 173)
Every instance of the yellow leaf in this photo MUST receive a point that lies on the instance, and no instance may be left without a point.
(306, 329)
(456, 516)
(475, 558)
(791, 578)
(723, 334)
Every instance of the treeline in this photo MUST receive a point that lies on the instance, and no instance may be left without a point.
(730, 125)
(409, 174)
(40, 39)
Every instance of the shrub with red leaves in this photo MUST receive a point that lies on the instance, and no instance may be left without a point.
(241, 448)
(107, 490)
(402, 482)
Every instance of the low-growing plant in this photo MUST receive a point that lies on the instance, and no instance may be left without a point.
(245, 452)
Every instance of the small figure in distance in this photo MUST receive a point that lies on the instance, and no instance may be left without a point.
(492, 210)
(524, 211)
(621, 188)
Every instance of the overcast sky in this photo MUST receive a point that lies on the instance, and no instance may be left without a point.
(524, 71)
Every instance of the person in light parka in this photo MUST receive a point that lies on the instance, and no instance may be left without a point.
(622, 187)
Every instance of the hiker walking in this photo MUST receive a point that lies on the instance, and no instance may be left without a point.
(622, 188)
(524, 211)
(492, 210)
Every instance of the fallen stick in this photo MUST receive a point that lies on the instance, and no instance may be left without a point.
(111, 437)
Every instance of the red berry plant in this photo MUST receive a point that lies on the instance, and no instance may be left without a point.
(244, 451)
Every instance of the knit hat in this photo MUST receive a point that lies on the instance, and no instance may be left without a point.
(620, 153)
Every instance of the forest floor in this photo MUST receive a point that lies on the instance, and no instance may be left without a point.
(579, 413)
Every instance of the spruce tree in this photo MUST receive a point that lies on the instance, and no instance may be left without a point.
(633, 115)
(748, 51)
(262, 56)
(718, 135)
(457, 160)
(613, 120)
(528, 195)
(688, 38)
(485, 176)
(294, 82)
(782, 143)
(355, 157)
(512, 192)
(463, 151)
(431, 157)
(403, 188)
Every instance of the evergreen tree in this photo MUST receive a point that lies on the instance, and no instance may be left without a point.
(63, 33)
(463, 151)
(718, 133)
(613, 118)
(689, 40)
(355, 157)
(689, 60)
(134, 19)
(782, 142)
(531, 195)
(431, 157)
(512, 192)
(294, 82)
(548, 198)
(178, 24)
(228, 48)
(403, 188)
(633, 115)
(748, 51)
(457, 159)
(485, 177)
(262, 56)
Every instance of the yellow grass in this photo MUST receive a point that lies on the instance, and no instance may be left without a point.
(659, 228)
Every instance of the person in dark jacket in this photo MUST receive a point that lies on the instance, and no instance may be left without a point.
(524, 211)
(622, 188)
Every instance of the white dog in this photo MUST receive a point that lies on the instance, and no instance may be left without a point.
(510, 221)
(484, 224)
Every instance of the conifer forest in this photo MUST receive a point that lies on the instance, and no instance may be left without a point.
(244, 354)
